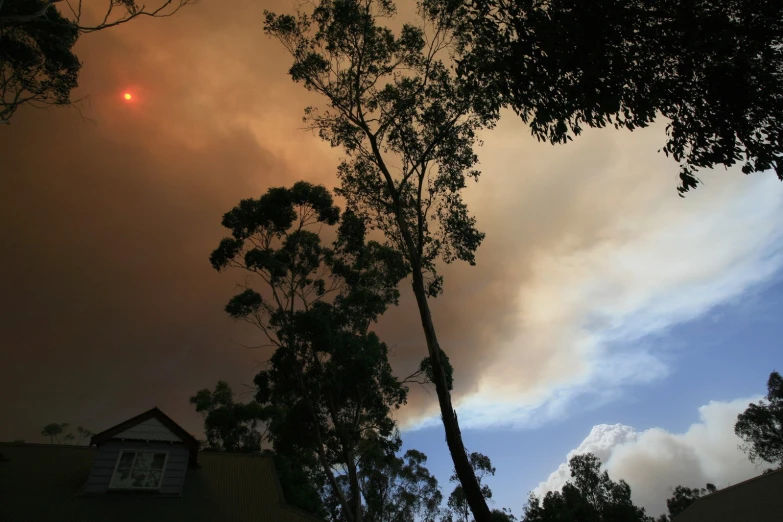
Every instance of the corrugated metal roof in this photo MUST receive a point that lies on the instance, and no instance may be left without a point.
(40, 482)
(759, 499)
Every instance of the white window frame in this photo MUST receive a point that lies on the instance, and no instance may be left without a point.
(138, 488)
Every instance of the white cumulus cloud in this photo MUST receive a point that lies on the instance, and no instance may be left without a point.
(655, 461)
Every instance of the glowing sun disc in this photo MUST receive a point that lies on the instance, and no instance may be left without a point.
(127, 96)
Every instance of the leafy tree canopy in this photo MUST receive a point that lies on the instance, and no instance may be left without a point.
(54, 431)
(228, 425)
(37, 63)
(683, 497)
(58, 433)
(711, 68)
(408, 129)
(459, 510)
(760, 426)
(590, 496)
(237, 427)
(399, 489)
(328, 387)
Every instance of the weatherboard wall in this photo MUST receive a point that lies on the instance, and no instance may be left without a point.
(106, 460)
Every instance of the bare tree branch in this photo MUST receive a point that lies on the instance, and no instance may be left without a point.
(49, 71)
(129, 8)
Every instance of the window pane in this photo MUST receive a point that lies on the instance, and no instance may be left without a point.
(138, 478)
(139, 469)
(158, 459)
(122, 479)
(143, 461)
(153, 479)
(126, 460)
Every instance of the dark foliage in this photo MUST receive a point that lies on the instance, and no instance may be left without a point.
(328, 388)
(230, 426)
(58, 433)
(683, 497)
(54, 431)
(760, 426)
(299, 483)
(502, 515)
(408, 129)
(237, 427)
(459, 510)
(37, 65)
(399, 489)
(425, 367)
(36, 59)
(590, 496)
(711, 67)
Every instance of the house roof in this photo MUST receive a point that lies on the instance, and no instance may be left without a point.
(43, 482)
(759, 499)
(187, 439)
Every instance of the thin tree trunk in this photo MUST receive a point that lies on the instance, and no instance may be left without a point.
(465, 473)
(353, 479)
(321, 455)
(356, 496)
(470, 485)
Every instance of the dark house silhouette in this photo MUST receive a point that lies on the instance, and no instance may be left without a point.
(759, 499)
(147, 468)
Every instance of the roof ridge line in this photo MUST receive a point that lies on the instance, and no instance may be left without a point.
(751, 479)
(45, 444)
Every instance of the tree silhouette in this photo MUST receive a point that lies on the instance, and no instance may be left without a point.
(54, 431)
(683, 497)
(236, 427)
(760, 426)
(457, 503)
(230, 426)
(37, 64)
(407, 122)
(408, 130)
(83, 433)
(328, 387)
(59, 434)
(399, 489)
(590, 496)
(711, 68)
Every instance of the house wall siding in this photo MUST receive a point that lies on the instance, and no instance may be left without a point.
(106, 460)
(150, 429)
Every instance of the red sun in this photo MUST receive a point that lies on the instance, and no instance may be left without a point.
(127, 96)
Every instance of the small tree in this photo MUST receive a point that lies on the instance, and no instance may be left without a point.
(399, 489)
(328, 386)
(54, 431)
(590, 496)
(457, 502)
(230, 426)
(37, 65)
(683, 497)
(59, 434)
(760, 426)
(83, 433)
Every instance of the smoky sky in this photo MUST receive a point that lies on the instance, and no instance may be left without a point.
(109, 304)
